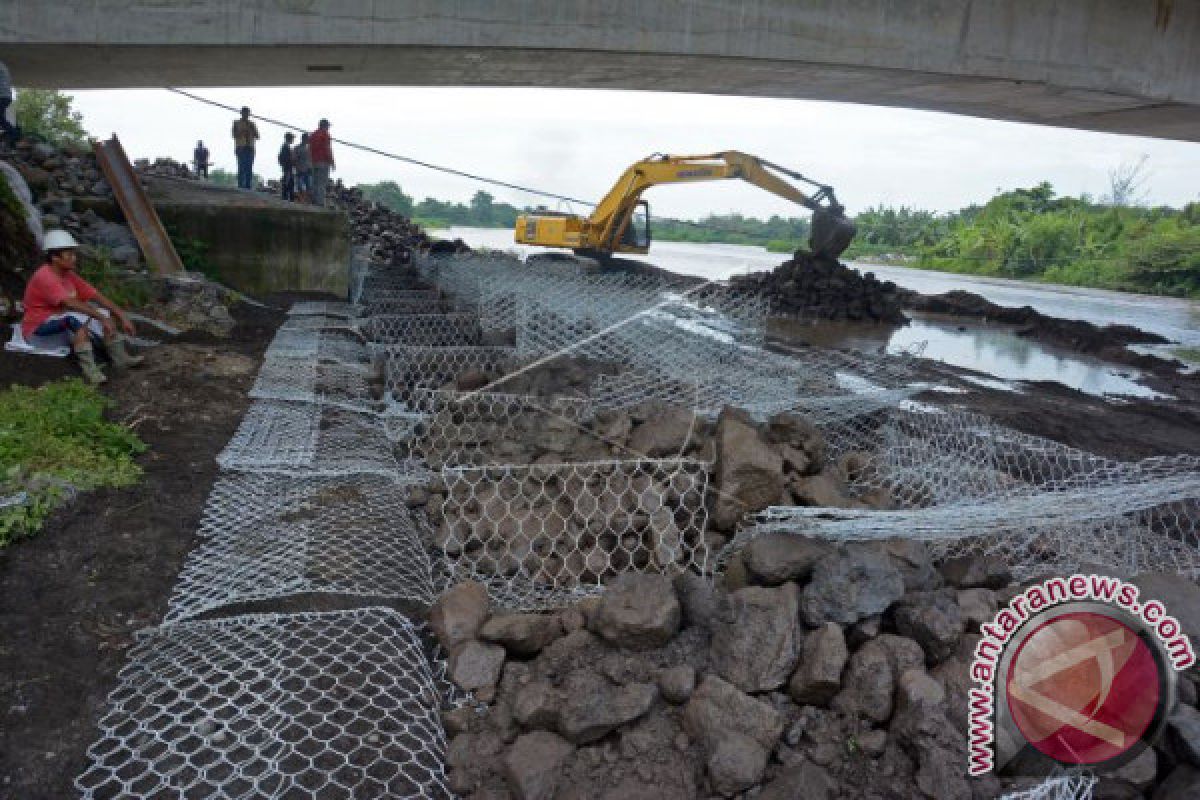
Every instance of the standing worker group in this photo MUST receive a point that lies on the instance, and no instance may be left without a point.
(320, 149)
(245, 134)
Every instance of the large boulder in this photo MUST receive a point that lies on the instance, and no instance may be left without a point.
(933, 620)
(521, 634)
(806, 454)
(718, 708)
(975, 572)
(850, 585)
(807, 780)
(749, 472)
(475, 665)
(637, 611)
(535, 763)
(459, 613)
(593, 706)
(869, 681)
(776, 558)
(736, 763)
(536, 705)
(756, 637)
(822, 659)
(666, 433)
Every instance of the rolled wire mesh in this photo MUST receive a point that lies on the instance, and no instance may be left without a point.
(347, 535)
(307, 438)
(350, 386)
(968, 486)
(538, 535)
(343, 345)
(311, 705)
(1071, 786)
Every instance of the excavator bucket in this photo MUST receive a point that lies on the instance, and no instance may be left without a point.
(831, 234)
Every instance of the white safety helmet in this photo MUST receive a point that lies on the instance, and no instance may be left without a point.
(59, 240)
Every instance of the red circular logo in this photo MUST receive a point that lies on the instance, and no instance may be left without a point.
(1083, 688)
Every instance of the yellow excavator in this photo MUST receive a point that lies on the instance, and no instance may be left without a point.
(621, 221)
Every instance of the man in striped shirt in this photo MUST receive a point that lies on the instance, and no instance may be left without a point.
(6, 97)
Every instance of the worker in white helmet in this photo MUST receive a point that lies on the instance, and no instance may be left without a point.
(58, 301)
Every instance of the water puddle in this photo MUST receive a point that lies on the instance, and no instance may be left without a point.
(994, 350)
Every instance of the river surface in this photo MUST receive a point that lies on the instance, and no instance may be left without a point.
(991, 349)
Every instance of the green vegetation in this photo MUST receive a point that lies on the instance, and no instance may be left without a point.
(193, 253)
(54, 440)
(483, 211)
(1029, 234)
(123, 288)
(47, 114)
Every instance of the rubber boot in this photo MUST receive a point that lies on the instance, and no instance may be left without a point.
(121, 357)
(87, 363)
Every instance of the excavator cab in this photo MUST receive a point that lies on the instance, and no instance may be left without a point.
(636, 236)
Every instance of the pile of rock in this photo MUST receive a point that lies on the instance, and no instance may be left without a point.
(52, 172)
(163, 168)
(815, 672)
(389, 237)
(813, 287)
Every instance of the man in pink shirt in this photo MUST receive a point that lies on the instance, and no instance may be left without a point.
(58, 301)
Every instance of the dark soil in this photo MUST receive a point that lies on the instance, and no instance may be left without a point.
(102, 568)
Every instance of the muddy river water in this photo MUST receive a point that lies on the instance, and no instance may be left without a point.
(992, 349)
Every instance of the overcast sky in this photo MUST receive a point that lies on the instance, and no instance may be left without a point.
(576, 142)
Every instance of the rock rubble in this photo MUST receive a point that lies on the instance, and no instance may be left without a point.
(644, 693)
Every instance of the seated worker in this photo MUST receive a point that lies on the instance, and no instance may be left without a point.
(58, 301)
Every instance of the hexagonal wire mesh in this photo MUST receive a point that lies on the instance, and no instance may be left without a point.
(409, 368)
(538, 535)
(477, 428)
(354, 387)
(338, 345)
(966, 485)
(307, 438)
(423, 330)
(269, 536)
(340, 704)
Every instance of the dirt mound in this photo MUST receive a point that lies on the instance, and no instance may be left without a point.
(815, 287)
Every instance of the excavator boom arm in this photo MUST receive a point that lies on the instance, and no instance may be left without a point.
(614, 211)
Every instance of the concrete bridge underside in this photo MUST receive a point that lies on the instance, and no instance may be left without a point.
(1122, 66)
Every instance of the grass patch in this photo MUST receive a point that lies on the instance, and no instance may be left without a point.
(53, 440)
(1189, 354)
(125, 289)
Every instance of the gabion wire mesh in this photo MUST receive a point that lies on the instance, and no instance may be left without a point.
(968, 486)
(312, 705)
(476, 428)
(306, 308)
(540, 534)
(269, 536)
(409, 368)
(318, 345)
(305, 438)
(350, 386)
(424, 330)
